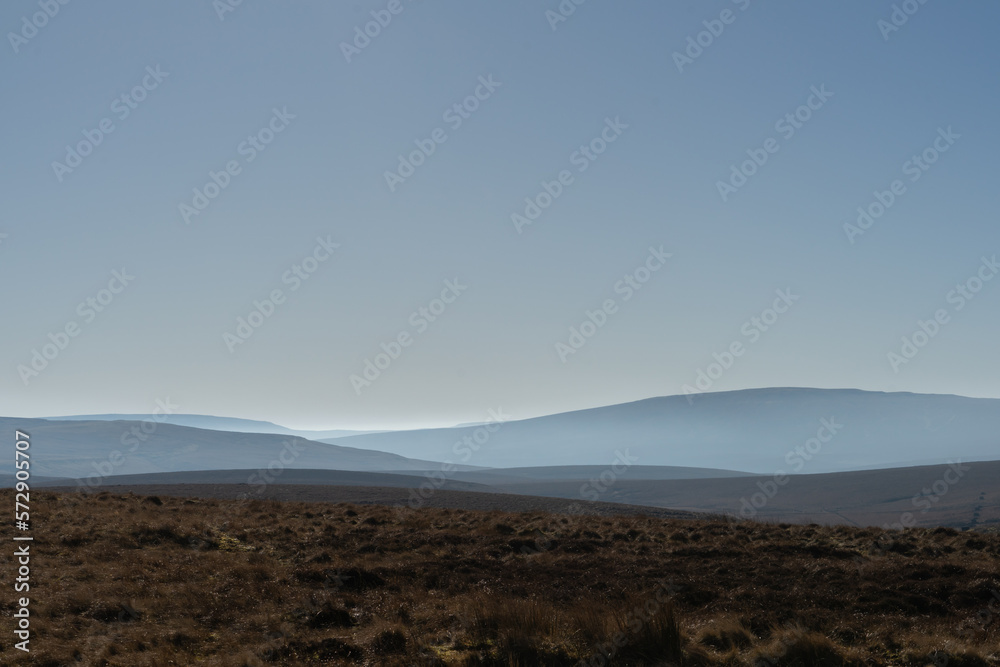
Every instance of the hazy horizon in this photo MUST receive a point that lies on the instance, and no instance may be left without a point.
(693, 175)
(444, 424)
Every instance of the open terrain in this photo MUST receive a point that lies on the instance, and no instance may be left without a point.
(132, 580)
(397, 497)
(962, 495)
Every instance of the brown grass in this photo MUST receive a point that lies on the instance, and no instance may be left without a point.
(133, 581)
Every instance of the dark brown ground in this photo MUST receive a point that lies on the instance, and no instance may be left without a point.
(129, 580)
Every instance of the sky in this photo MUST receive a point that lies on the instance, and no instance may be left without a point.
(244, 208)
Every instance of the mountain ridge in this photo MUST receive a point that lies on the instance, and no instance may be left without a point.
(751, 430)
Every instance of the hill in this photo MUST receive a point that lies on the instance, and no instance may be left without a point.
(80, 449)
(213, 423)
(756, 430)
(581, 473)
(965, 495)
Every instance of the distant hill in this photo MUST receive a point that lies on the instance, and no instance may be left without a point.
(964, 496)
(76, 449)
(210, 422)
(513, 476)
(253, 482)
(756, 430)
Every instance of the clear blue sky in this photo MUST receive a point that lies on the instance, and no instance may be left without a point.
(496, 343)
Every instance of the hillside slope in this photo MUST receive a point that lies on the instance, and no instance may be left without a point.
(755, 430)
(78, 449)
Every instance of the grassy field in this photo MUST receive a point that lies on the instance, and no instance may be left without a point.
(131, 580)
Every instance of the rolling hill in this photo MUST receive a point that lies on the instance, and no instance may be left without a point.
(756, 430)
(78, 449)
(961, 495)
(233, 424)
